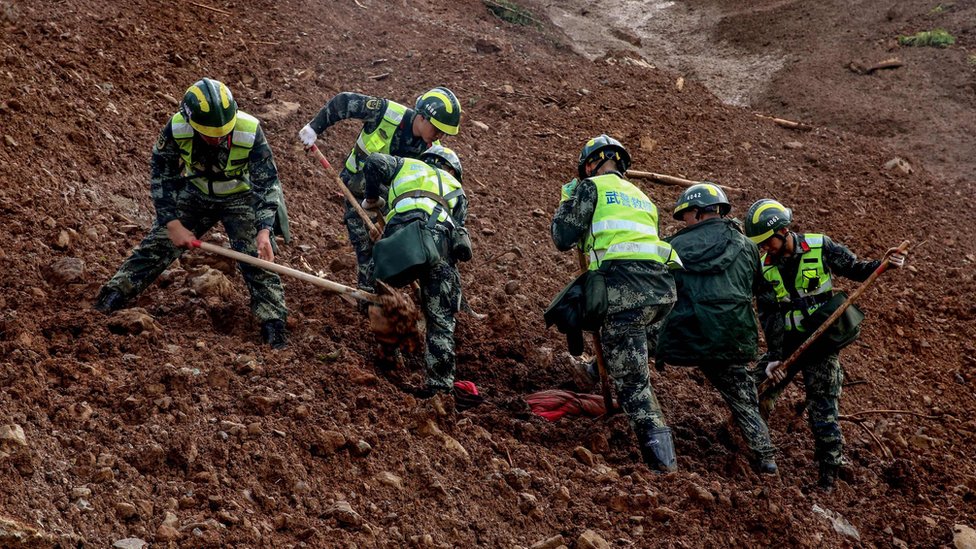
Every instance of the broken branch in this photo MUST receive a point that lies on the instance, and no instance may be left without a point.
(218, 10)
(672, 180)
(789, 124)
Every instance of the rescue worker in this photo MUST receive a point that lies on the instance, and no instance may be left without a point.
(388, 128)
(210, 163)
(615, 225)
(798, 272)
(428, 192)
(712, 325)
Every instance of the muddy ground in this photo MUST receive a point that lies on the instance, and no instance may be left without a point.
(191, 434)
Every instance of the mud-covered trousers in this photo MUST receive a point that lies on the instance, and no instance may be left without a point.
(738, 389)
(625, 337)
(199, 213)
(823, 378)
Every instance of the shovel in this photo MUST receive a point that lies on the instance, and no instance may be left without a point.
(601, 365)
(393, 317)
(375, 229)
(767, 386)
(672, 180)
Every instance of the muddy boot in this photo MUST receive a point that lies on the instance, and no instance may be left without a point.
(657, 449)
(274, 334)
(109, 300)
(765, 466)
(828, 477)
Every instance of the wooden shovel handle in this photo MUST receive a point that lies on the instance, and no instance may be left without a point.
(672, 180)
(374, 232)
(333, 287)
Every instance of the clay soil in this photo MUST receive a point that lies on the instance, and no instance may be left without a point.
(194, 423)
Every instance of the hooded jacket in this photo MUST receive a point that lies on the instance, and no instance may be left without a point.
(713, 320)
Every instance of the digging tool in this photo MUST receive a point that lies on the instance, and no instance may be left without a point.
(767, 386)
(375, 229)
(601, 365)
(672, 180)
(394, 317)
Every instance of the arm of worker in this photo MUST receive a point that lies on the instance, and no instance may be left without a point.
(460, 211)
(264, 183)
(165, 184)
(573, 216)
(841, 261)
(343, 106)
(771, 319)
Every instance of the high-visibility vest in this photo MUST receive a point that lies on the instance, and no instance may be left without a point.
(624, 225)
(378, 140)
(417, 186)
(235, 173)
(813, 283)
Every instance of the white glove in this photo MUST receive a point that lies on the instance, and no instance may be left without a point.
(773, 372)
(896, 260)
(307, 136)
(373, 205)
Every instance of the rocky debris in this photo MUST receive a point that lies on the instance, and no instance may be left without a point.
(343, 513)
(212, 283)
(134, 321)
(67, 270)
(701, 495)
(327, 443)
(664, 514)
(529, 505)
(552, 543)
(278, 112)
(839, 523)
(591, 540)
(12, 440)
(389, 479)
(899, 165)
(585, 456)
(963, 537)
(129, 543)
(169, 529)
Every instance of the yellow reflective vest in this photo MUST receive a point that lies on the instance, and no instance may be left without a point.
(419, 186)
(235, 173)
(813, 283)
(624, 225)
(378, 140)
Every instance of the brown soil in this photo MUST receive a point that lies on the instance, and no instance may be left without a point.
(194, 423)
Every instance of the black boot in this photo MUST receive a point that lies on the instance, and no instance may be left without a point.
(766, 466)
(273, 333)
(828, 477)
(657, 449)
(109, 300)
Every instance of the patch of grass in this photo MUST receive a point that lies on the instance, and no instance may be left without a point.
(938, 38)
(506, 10)
(972, 59)
(941, 8)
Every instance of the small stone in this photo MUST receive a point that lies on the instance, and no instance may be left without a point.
(699, 494)
(81, 492)
(551, 543)
(63, 240)
(344, 514)
(104, 474)
(584, 455)
(511, 287)
(362, 448)
(66, 270)
(328, 443)
(963, 537)
(9, 141)
(389, 479)
(591, 540)
(663, 514)
(480, 125)
(792, 145)
(538, 212)
(129, 543)
(900, 165)
(125, 510)
(507, 89)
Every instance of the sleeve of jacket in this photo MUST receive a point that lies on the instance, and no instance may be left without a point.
(460, 211)
(265, 185)
(165, 180)
(573, 216)
(841, 261)
(379, 171)
(770, 317)
(347, 105)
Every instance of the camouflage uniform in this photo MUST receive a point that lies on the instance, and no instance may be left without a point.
(640, 294)
(440, 286)
(823, 375)
(403, 143)
(242, 215)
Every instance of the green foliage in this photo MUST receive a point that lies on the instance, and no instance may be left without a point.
(506, 10)
(972, 59)
(938, 38)
(941, 8)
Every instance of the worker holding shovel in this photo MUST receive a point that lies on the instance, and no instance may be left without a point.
(211, 163)
(798, 296)
(389, 128)
(628, 283)
(423, 240)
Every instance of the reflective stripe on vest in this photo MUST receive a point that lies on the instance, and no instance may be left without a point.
(236, 174)
(812, 279)
(416, 175)
(624, 225)
(377, 141)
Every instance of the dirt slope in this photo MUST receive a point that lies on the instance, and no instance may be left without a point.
(196, 427)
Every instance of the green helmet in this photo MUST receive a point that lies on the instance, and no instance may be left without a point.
(603, 148)
(702, 195)
(438, 155)
(764, 218)
(210, 108)
(441, 107)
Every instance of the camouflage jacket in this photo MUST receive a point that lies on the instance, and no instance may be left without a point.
(166, 180)
(630, 284)
(379, 172)
(838, 260)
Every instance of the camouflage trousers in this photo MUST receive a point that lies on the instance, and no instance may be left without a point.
(738, 388)
(199, 213)
(625, 337)
(823, 379)
(362, 244)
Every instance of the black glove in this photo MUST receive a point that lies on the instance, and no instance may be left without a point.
(574, 339)
(659, 365)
